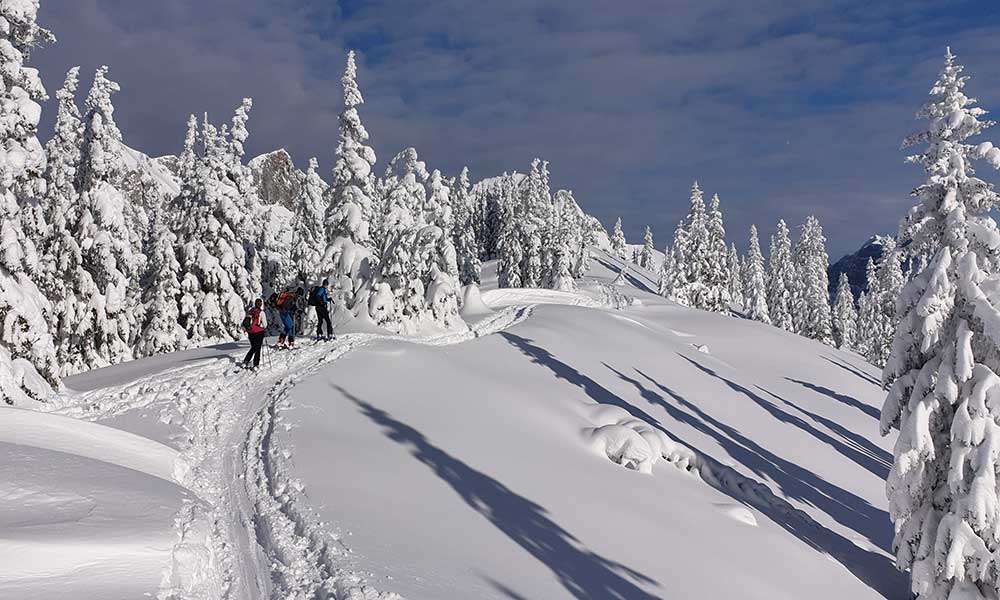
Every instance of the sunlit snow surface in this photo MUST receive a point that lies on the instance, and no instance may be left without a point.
(559, 449)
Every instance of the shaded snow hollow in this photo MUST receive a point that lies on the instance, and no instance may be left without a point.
(559, 449)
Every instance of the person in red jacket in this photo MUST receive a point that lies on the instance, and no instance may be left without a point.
(256, 326)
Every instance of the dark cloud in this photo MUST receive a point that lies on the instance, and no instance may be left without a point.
(783, 108)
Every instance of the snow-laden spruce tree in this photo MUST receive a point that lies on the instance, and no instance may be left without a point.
(646, 258)
(781, 280)
(510, 253)
(533, 225)
(664, 286)
(618, 243)
(309, 226)
(161, 330)
(889, 283)
(351, 217)
(754, 277)
(466, 244)
(942, 487)
(811, 309)
(109, 231)
(869, 316)
(701, 266)
(717, 264)
(736, 297)
(27, 355)
(679, 256)
(214, 231)
(563, 242)
(63, 279)
(845, 316)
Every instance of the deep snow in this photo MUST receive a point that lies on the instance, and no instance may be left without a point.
(483, 464)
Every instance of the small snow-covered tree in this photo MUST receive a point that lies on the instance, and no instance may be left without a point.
(509, 250)
(736, 296)
(646, 258)
(754, 287)
(27, 355)
(161, 331)
(889, 282)
(309, 226)
(664, 286)
(618, 243)
(679, 256)
(845, 316)
(781, 279)
(942, 487)
(716, 272)
(563, 244)
(811, 308)
(466, 243)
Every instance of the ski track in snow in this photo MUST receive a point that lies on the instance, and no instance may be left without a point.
(259, 538)
(252, 519)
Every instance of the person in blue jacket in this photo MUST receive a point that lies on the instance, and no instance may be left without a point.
(323, 312)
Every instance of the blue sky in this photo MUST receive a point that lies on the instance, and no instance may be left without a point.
(782, 108)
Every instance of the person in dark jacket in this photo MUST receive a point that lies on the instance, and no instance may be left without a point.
(256, 329)
(323, 312)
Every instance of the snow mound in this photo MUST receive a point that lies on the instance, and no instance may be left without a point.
(472, 302)
(737, 512)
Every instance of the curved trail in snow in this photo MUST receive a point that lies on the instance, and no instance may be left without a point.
(249, 534)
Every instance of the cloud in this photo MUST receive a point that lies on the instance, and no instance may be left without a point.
(784, 109)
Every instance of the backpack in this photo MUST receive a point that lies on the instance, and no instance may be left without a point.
(314, 297)
(285, 302)
(247, 321)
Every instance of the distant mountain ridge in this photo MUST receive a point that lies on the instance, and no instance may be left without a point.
(855, 265)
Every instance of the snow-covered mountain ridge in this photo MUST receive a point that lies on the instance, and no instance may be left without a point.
(488, 464)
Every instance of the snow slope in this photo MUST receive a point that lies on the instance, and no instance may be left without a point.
(486, 464)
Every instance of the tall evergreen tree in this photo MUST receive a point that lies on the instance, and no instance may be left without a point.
(109, 232)
(664, 286)
(466, 243)
(869, 320)
(781, 279)
(680, 255)
(618, 243)
(646, 258)
(717, 263)
(509, 250)
(845, 317)
(736, 296)
(27, 355)
(351, 215)
(942, 487)
(754, 287)
(812, 302)
(161, 330)
(309, 224)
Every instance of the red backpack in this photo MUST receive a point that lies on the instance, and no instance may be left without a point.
(286, 301)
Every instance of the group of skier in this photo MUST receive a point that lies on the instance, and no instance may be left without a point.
(291, 306)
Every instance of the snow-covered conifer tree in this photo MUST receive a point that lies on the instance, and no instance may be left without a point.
(716, 272)
(161, 331)
(646, 258)
(736, 297)
(309, 226)
(664, 286)
(680, 254)
(942, 487)
(618, 243)
(109, 230)
(811, 308)
(509, 250)
(889, 278)
(466, 243)
(781, 279)
(27, 355)
(351, 254)
(845, 317)
(754, 286)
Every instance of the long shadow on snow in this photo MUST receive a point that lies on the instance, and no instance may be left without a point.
(873, 569)
(853, 370)
(859, 442)
(583, 573)
(871, 411)
(864, 458)
(628, 276)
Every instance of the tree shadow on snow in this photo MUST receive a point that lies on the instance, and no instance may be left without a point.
(871, 411)
(873, 569)
(853, 370)
(584, 574)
